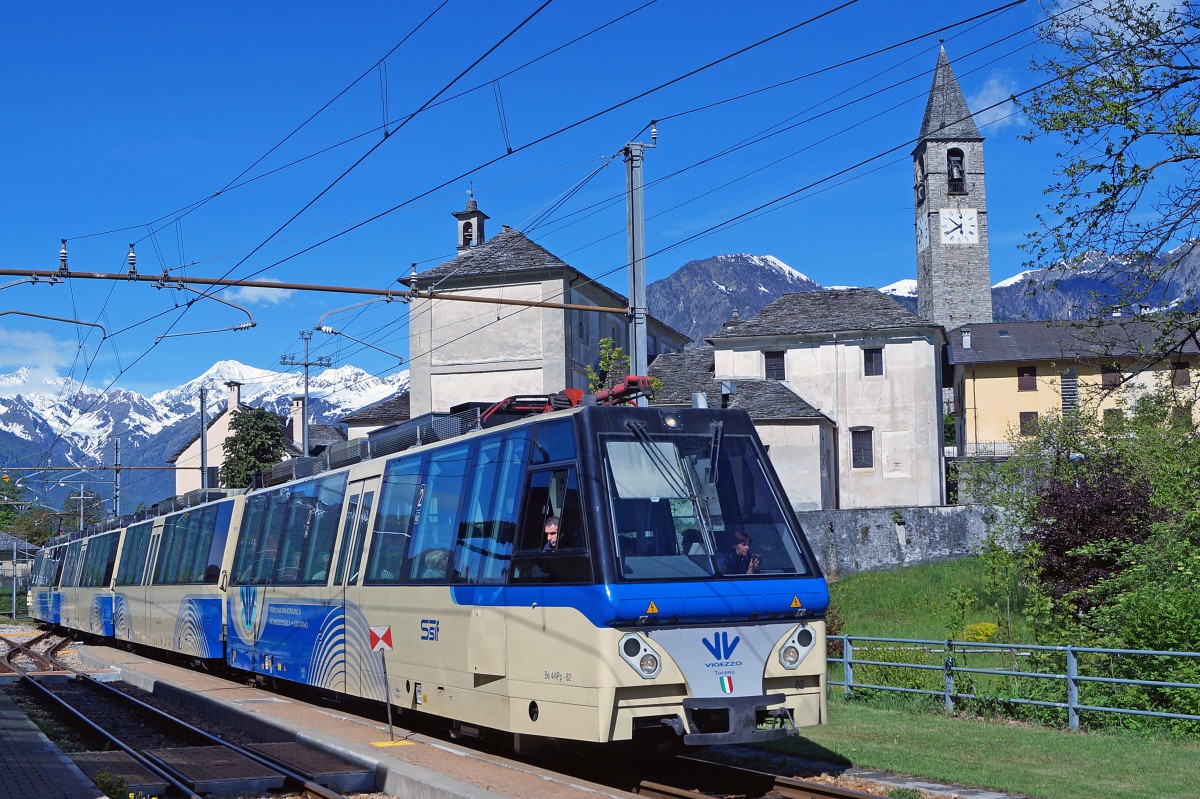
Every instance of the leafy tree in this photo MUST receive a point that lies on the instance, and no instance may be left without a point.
(10, 495)
(255, 444)
(611, 366)
(1085, 526)
(1108, 516)
(1125, 108)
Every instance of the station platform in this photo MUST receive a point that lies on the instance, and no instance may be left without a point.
(32, 766)
(408, 764)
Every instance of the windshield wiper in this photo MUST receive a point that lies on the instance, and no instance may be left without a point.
(659, 460)
(714, 451)
(684, 487)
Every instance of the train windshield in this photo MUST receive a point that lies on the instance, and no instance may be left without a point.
(696, 506)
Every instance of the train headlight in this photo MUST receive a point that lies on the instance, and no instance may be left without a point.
(640, 656)
(796, 646)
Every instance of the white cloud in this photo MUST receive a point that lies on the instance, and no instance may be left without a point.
(253, 295)
(998, 88)
(29, 361)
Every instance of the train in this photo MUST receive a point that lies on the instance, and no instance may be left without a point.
(422, 577)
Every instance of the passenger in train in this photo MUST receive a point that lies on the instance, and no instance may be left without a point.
(740, 561)
(551, 530)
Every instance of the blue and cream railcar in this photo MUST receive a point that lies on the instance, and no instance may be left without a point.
(45, 599)
(429, 573)
(167, 589)
(86, 584)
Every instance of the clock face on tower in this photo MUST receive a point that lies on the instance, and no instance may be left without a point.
(922, 232)
(959, 225)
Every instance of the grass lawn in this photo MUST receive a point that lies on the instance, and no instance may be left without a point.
(914, 602)
(1037, 762)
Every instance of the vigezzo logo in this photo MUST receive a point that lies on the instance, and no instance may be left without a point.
(722, 648)
(430, 629)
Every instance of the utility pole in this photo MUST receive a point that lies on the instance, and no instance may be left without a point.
(323, 361)
(635, 213)
(117, 478)
(204, 438)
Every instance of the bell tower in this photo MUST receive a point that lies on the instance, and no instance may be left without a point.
(953, 268)
(470, 224)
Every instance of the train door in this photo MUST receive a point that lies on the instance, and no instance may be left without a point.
(348, 561)
(143, 613)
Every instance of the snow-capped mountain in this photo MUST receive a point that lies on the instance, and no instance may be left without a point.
(78, 426)
(1100, 283)
(699, 296)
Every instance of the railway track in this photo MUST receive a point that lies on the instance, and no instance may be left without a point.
(155, 753)
(690, 778)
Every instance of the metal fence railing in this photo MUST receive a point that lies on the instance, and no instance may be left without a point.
(911, 666)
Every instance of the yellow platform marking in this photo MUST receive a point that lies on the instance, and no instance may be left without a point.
(392, 743)
(653, 607)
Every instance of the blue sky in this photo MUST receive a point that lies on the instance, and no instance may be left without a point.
(118, 116)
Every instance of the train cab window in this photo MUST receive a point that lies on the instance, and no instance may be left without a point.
(678, 501)
(553, 442)
(552, 493)
(483, 551)
(393, 522)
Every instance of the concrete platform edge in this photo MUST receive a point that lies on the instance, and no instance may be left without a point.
(72, 785)
(392, 775)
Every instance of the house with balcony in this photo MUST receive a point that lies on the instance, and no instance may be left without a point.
(1007, 376)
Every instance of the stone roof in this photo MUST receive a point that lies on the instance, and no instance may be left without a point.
(684, 373)
(320, 436)
(1088, 340)
(510, 253)
(386, 411)
(946, 113)
(6, 546)
(829, 311)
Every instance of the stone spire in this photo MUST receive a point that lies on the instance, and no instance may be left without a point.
(946, 113)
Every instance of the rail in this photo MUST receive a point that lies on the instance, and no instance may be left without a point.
(955, 654)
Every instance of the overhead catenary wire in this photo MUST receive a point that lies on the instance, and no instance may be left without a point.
(618, 268)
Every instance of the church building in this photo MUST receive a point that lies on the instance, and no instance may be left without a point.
(953, 267)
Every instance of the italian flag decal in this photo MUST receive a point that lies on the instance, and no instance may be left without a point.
(727, 685)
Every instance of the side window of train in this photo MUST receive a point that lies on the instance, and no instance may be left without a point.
(402, 484)
(552, 493)
(99, 559)
(483, 551)
(306, 542)
(71, 564)
(134, 553)
(258, 543)
(435, 518)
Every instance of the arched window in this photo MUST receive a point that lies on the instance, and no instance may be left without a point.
(956, 172)
(468, 234)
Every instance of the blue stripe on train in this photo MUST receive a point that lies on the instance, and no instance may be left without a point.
(605, 605)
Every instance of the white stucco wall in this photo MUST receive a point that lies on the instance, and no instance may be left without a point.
(795, 452)
(187, 465)
(901, 407)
